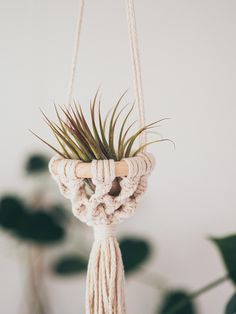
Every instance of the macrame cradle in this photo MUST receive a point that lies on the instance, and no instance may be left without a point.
(103, 211)
(111, 196)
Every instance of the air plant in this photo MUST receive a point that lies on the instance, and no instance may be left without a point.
(96, 137)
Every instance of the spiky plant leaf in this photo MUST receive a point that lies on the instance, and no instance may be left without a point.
(96, 137)
(112, 126)
(121, 139)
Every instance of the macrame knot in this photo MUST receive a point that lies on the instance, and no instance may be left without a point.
(105, 275)
(103, 171)
(103, 232)
(101, 206)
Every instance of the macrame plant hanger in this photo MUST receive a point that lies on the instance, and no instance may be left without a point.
(102, 209)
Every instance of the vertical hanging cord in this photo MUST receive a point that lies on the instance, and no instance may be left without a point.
(135, 56)
(76, 53)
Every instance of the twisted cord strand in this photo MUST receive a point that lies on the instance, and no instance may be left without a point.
(136, 66)
(76, 53)
(135, 59)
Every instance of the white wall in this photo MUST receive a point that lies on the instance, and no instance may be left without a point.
(188, 51)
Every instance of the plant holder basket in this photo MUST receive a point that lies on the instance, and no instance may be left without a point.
(103, 193)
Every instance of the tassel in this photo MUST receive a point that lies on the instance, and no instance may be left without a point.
(105, 276)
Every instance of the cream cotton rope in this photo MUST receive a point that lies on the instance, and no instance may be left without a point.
(103, 211)
(135, 58)
(76, 53)
(100, 207)
(96, 200)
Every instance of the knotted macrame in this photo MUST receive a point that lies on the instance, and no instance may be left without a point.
(96, 204)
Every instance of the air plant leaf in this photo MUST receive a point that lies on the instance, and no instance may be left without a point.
(133, 138)
(49, 145)
(121, 140)
(97, 137)
(95, 129)
(130, 142)
(89, 136)
(103, 134)
(112, 126)
(141, 148)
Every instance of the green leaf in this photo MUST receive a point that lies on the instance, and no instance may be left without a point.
(177, 302)
(65, 138)
(89, 137)
(231, 305)
(130, 142)
(60, 213)
(147, 144)
(125, 142)
(135, 252)
(121, 139)
(36, 163)
(49, 145)
(41, 228)
(70, 265)
(12, 211)
(103, 135)
(112, 126)
(95, 128)
(227, 248)
(63, 147)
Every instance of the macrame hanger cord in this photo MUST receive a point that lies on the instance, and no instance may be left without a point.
(136, 65)
(76, 53)
(135, 59)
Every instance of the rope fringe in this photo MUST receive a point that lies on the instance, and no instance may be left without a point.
(105, 276)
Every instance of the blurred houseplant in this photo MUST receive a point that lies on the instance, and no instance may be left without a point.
(42, 225)
(39, 226)
(181, 302)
